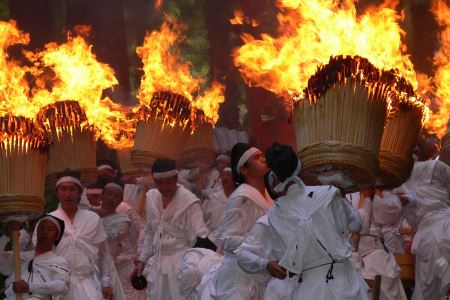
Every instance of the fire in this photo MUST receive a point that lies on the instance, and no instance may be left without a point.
(210, 101)
(240, 19)
(18, 135)
(312, 31)
(14, 88)
(81, 77)
(164, 72)
(439, 118)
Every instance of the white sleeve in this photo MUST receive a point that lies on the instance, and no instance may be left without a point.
(139, 224)
(254, 252)
(57, 285)
(195, 217)
(353, 218)
(233, 234)
(147, 249)
(105, 263)
(190, 275)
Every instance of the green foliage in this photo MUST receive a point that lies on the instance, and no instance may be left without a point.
(196, 47)
(4, 10)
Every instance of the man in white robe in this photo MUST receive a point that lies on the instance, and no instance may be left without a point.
(174, 224)
(117, 226)
(374, 257)
(83, 244)
(197, 267)
(246, 204)
(308, 227)
(426, 199)
(44, 274)
(215, 204)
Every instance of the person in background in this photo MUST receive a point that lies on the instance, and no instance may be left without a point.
(174, 224)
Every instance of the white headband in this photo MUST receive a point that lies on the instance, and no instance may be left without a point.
(162, 175)
(69, 179)
(53, 221)
(227, 169)
(102, 167)
(294, 177)
(223, 157)
(114, 185)
(244, 158)
(95, 191)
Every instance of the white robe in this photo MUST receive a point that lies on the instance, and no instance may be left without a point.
(80, 246)
(117, 226)
(373, 259)
(253, 256)
(430, 184)
(49, 275)
(131, 243)
(244, 207)
(169, 233)
(308, 230)
(197, 267)
(214, 212)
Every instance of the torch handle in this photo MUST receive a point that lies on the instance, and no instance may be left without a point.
(16, 251)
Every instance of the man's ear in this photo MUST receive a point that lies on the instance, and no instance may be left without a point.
(244, 171)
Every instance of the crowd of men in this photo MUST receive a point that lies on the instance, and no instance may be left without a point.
(245, 228)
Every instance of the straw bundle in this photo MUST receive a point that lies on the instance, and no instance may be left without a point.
(162, 130)
(124, 156)
(445, 149)
(23, 162)
(200, 145)
(72, 141)
(397, 145)
(340, 125)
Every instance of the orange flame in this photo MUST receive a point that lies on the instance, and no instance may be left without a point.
(18, 135)
(164, 72)
(14, 88)
(240, 19)
(311, 31)
(80, 77)
(439, 119)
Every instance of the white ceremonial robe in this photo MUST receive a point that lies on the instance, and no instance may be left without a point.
(308, 231)
(214, 212)
(430, 215)
(245, 206)
(253, 256)
(169, 233)
(80, 246)
(387, 212)
(48, 277)
(374, 259)
(131, 243)
(197, 267)
(116, 227)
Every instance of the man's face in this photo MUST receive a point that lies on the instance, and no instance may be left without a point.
(94, 199)
(227, 180)
(167, 186)
(47, 232)
(111, 198)
(256, 166)
(222, 164)
(68, 194)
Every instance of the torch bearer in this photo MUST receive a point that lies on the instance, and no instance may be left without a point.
(23, 162)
